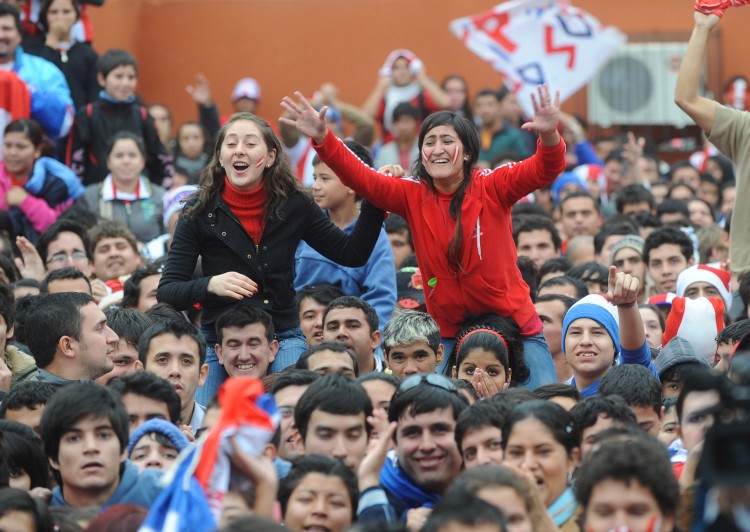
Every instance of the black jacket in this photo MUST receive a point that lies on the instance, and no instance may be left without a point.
(217, 236)
(78, 65)
(95, 125)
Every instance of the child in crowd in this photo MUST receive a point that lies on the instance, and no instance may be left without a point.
(116, 110)
(34, 190)
(191, 155)
(375, 282)
(489, 354)
(125, 194)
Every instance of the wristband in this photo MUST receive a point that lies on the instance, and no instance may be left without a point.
(627, 305)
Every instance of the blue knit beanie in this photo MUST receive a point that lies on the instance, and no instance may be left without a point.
(594, 307)
(564, 179)
(160, 426)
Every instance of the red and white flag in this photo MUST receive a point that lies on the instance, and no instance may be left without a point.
(539, 41)
(15, 100)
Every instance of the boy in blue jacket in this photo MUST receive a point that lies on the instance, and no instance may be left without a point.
(375, 282)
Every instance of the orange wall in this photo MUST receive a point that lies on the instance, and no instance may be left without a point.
(299, 44)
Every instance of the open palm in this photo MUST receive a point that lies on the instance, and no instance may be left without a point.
(304, 117)
(546, 112)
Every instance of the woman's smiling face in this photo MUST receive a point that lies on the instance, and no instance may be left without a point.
(244, 155)
(443, 157)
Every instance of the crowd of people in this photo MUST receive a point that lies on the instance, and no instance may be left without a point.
(424, 284)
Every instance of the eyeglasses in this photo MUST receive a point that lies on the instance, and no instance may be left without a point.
(62, 258)
(432, 379)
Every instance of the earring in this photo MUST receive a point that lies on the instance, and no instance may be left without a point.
(466, 159)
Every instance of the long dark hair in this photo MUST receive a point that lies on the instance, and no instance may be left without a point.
(509, 353)
(557, 420)
(278, 180)
(469, 137)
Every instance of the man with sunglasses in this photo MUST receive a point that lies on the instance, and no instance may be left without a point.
(426, 459)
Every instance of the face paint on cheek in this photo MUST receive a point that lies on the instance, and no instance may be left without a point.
(425, 158)
(259, 164)
(455, 154)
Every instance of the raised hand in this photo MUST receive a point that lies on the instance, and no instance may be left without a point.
(305, 118)
(30, 263)
(368, 473)
(201, 91)
(622, 288)
(546, 112)
(633, 148)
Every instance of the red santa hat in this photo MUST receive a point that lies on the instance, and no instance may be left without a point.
(698, 321)
(415, 64)
(717, 278)
(737, 93)
(591, 172)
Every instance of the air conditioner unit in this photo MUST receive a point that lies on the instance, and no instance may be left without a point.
(636, 87)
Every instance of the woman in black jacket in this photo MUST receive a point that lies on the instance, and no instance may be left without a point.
(245, 223)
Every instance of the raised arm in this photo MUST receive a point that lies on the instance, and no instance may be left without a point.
(546, 116)
(208, 113)
(436, 92)
(700, 109)
(372, 103)
(622, 291)
(352, 250)
(383, 191)
(364, 125)
(513, 182)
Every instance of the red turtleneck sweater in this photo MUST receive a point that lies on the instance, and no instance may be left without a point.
(248, 207)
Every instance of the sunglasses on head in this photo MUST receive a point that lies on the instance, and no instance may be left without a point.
(431, 379)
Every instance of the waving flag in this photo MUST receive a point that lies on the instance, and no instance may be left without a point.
(539, 41)
(194, 496)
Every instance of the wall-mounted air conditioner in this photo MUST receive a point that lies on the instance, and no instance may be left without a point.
(636, 87)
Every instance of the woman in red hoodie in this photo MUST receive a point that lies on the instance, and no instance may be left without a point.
(459, 216)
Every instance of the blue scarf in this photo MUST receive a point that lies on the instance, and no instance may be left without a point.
(45, 166)
(563, 508)
(403, 493)
(104, 96)
(589, 391)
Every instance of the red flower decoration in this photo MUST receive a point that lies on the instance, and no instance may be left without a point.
(416, 280)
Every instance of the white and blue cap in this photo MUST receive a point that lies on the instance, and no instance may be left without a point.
(594, 307)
